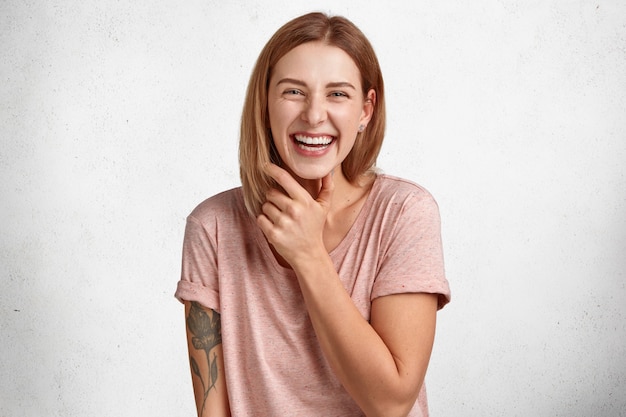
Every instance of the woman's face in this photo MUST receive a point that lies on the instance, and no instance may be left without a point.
(316, 105)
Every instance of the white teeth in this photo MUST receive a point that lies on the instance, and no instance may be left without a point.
(321, 140)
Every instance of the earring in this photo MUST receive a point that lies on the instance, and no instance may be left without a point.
(361, 128)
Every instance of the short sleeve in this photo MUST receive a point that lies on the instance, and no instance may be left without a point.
(413, 259)
(199, 274)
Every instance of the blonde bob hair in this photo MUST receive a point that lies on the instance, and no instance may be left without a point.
(256, 147)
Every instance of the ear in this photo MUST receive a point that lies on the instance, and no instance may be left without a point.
(368, 107)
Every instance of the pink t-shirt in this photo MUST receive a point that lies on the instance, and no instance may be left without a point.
(272, 360)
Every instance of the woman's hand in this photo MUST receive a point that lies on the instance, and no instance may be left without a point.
(292, 221)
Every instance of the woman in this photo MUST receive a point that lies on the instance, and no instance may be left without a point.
(312, 290)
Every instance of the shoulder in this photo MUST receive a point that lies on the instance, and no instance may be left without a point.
(224, 206)
(395, 191)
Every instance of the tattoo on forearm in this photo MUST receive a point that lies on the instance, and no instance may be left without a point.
(207, 333)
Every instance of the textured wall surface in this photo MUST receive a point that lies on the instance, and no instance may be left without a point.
(117, 118)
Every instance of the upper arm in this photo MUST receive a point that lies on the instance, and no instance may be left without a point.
(406, 324)
(204, 338)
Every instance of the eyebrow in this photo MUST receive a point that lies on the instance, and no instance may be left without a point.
(338, 84)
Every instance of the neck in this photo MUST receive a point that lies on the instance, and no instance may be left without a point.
(345, 193)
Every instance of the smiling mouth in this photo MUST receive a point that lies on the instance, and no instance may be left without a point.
(310, 143)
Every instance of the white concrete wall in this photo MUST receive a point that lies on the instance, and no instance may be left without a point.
(117, 118)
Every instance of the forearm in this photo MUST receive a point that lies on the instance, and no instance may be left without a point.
(206, 361)
(367, 368)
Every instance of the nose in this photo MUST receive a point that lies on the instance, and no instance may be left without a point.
(314, 111)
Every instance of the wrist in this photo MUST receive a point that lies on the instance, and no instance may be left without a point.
(312, 262)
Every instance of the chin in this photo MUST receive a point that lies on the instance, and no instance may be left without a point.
(311, 174)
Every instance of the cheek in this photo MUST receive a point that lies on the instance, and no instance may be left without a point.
(280, 115)
(349, 117)
(271, 114)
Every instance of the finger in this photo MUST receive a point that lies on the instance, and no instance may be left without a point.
(271, 212)
(264, 224)
(272, 233)
(285, 180)
(326, 192)
(277, 198)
